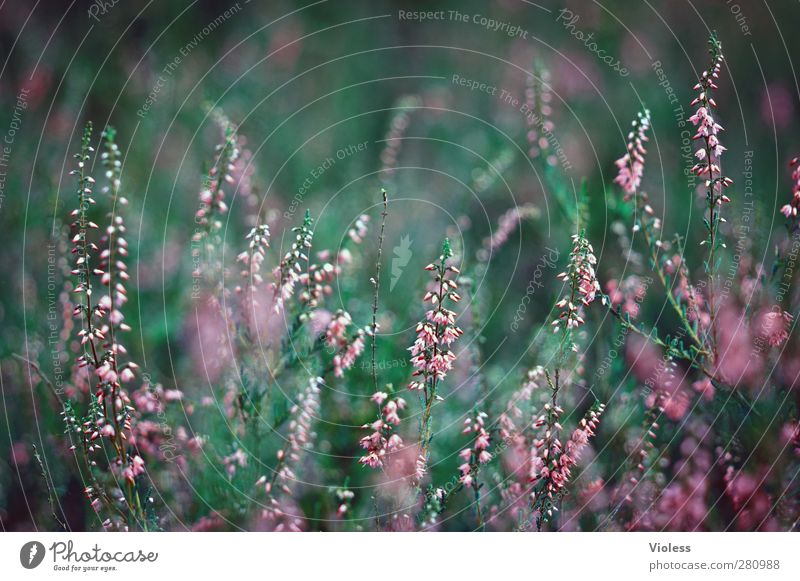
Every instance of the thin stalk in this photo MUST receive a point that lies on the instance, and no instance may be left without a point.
(377, 284)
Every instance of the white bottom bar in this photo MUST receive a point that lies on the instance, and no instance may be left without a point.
(387, 556)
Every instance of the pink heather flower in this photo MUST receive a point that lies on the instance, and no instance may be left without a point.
(394, 137)
(133, 469)
(303, 414)
(420, 467)
(696, 306)
(359, 229)
(751, 501)
(348, 349)
(315, 279)
(583, 283)
(212, 196)
(382, 440)
(336, 333)
(705, 388)
(628, 295)
(738, 362)
(234, 461)
(478, 453)
(790, 209)
(316, 282)
(710, 150)
(510, 421)
(551, 463)
(430, 355)
(631, 165)
(253, 257)
(775, 326)
(300, 437)
(288, 272)
(506, 226)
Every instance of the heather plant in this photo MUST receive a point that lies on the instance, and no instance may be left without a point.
(103, 429)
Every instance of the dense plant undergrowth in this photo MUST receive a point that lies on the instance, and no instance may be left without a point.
(301, 402)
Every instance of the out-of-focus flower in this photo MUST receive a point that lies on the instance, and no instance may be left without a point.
(628, 295)
(538, 113)
(631, 165)
(777, 106)
(774, 326)
(276, 516)
(347, 348)
(506, 225)
(477, 453)
(212, 194)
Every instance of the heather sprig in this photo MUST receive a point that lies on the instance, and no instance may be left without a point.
(708, 167)
(551, 461)
(475, 455)
(631, 165)
(376, 283)
(300, 438)
(383, 440)
(253, 257)
(398, 126)
(346, 346)
(84, 249)
(630, 173)
(431, 355)
(582, 284)
(642, 464)
(212, 198)
(109, 416)
(212, 195)
(290, 269)
(538, 114)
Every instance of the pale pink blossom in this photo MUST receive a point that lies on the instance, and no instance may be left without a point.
(790, 210)
(382, 441)
(582, 285)
(707, 132)
(631, 165)
(477, 453)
